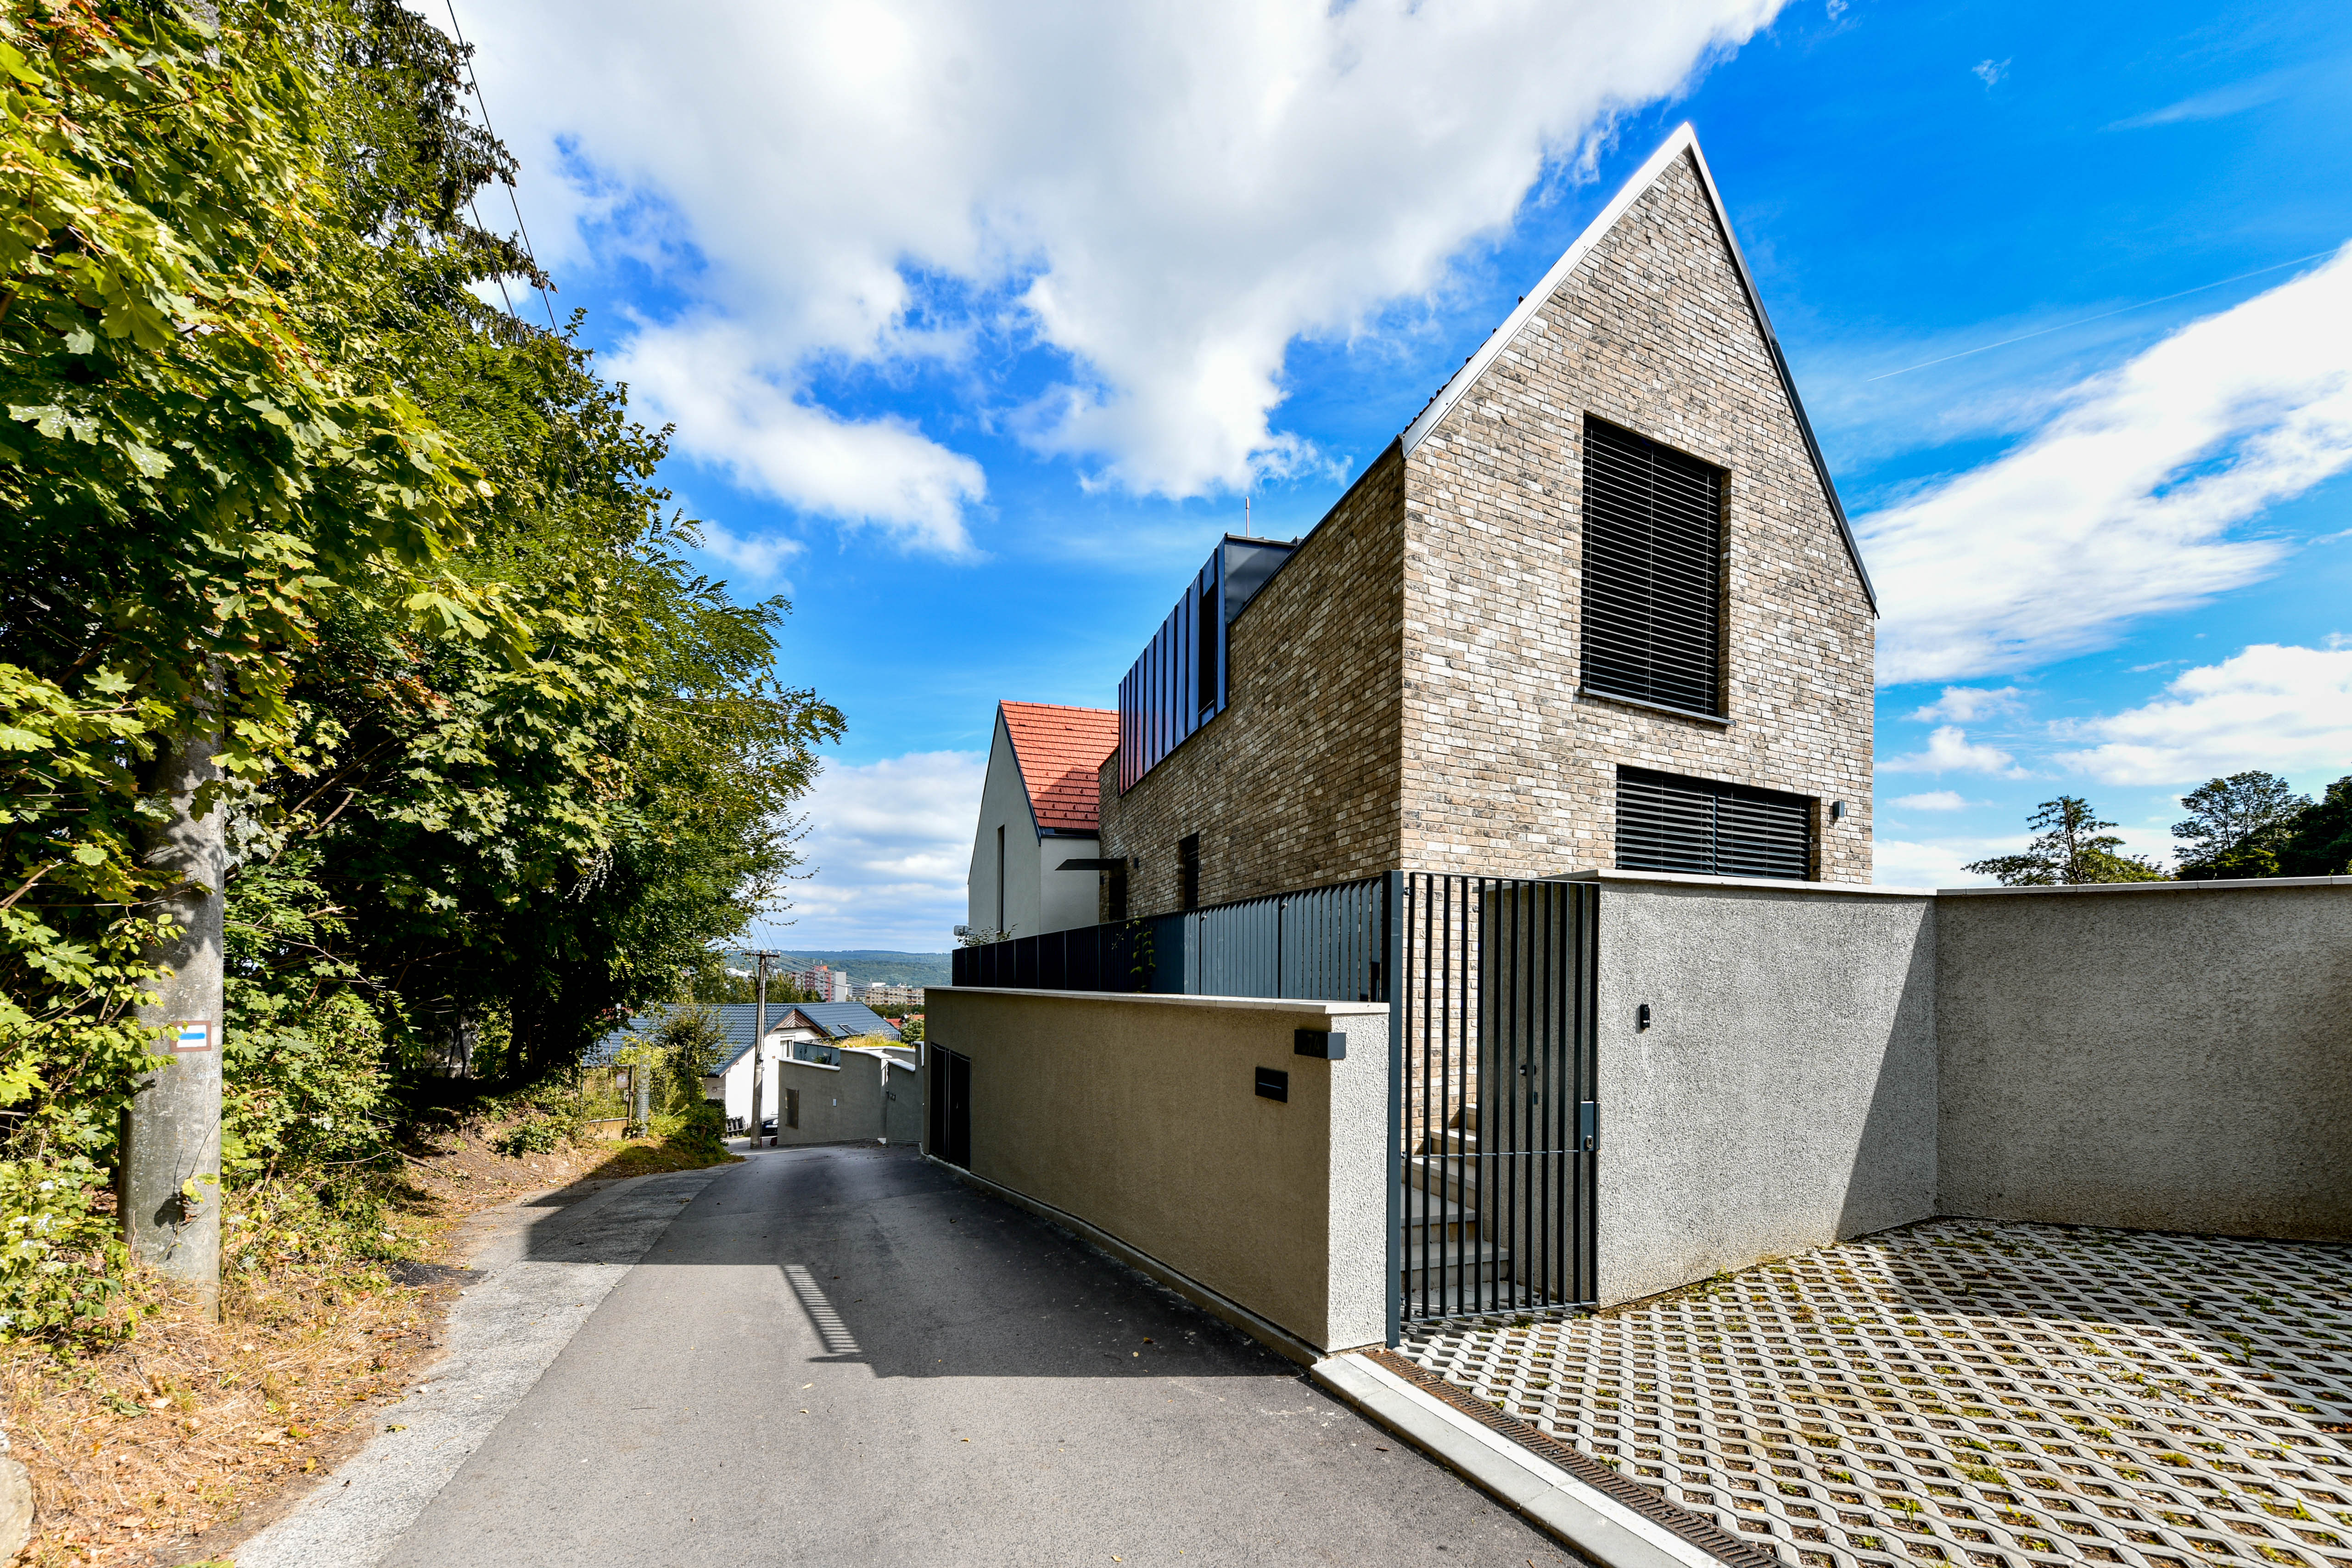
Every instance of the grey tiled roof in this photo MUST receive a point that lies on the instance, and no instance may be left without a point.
(738, 1020)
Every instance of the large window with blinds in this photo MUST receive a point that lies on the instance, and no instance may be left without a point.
(1653, 573)
(1668, 823)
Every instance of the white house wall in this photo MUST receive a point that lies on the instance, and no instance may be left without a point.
(1069, 898)
(1037, 896)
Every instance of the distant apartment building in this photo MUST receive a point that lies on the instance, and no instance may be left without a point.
(881, 995)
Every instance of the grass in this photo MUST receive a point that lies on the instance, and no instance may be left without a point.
(152, 1450)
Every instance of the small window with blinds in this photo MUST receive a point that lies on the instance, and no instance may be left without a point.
(1667, 823)
(1653, 573)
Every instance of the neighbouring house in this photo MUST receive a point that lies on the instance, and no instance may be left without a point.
(743, 1081)
(1035, 858)
(1597, 606)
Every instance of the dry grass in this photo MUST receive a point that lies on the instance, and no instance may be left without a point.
(142, 1452)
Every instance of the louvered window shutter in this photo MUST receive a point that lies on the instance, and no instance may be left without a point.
(1666, 823)
(1652, 569)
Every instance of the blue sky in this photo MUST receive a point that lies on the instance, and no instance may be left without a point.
(977, 322)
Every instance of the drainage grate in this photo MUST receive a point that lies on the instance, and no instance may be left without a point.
(1962, 1392)
(1693, 1528)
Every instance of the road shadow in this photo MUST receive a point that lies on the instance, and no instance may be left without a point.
(894, 1264)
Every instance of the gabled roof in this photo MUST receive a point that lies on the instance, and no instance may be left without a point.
(1061, 751)
(1684, 142)
(738, 1021)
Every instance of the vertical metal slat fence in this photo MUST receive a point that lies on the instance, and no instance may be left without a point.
(1495, 1116)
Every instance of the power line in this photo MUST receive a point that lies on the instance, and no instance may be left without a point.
(482, 103)
(2142, 305)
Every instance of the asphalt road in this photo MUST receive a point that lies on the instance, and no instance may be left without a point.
(843, 1356)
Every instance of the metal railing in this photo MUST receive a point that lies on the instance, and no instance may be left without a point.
(1327, 944)
(1492, 1040)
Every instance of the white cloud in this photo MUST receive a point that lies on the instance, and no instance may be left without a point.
(888, 847)
(2122, 504)
(1165, 193)
(2286, 710)
(762, 559)
(1964, 704)
(1950, 750)
(703, 377)
(1989, 72)
(1934, 800)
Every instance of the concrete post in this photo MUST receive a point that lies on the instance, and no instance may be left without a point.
(169, 1177)
(760, 1052)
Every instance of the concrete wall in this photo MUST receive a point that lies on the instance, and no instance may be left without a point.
(849, 1103)
(2167, 1056)
(1139, 1115)
(1784, 1095)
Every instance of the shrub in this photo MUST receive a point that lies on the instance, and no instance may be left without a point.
(537, 1135)
(62, 1261)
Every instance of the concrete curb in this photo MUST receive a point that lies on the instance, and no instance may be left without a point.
(1590, 1521)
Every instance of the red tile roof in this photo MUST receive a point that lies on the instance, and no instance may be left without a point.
(1060, 751)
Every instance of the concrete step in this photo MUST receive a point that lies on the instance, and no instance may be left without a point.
(1449, 1176)
(1450, 1298)
(1472, 1262)
(1437, 1218)
(1451, 1141)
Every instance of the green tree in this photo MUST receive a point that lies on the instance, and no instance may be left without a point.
(521, 849)
(2235, 826)
(2317, 842)
(189, 482)
(2072, 847)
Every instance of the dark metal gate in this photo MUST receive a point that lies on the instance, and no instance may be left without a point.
(1494, 1123)
(950, 1103)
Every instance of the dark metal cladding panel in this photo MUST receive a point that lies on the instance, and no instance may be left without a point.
(1162, 700)
(1653, 573)
(1704, 827)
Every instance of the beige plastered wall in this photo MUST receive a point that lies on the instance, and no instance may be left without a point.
(1139, 1116)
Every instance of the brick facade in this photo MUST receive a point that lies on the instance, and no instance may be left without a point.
(1508, 771)
(1404, 690)
(1296, 783)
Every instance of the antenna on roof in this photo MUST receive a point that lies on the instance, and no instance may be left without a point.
(1246, 532)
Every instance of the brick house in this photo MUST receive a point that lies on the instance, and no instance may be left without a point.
(1598, 605)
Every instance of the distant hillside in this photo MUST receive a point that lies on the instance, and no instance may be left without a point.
(865, 964)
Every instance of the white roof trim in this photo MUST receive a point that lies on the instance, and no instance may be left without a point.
(1683, 139)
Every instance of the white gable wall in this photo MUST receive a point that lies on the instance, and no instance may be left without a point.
(1038, 896)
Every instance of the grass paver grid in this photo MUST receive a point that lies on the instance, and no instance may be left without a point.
(2003, 1395)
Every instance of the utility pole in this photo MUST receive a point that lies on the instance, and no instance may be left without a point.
(168, 1179)
(760, 1047)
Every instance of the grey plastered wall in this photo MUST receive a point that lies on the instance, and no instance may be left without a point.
(1139, 1116)
(2176, 1056)
(844, 1104)
(1785, 1093)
